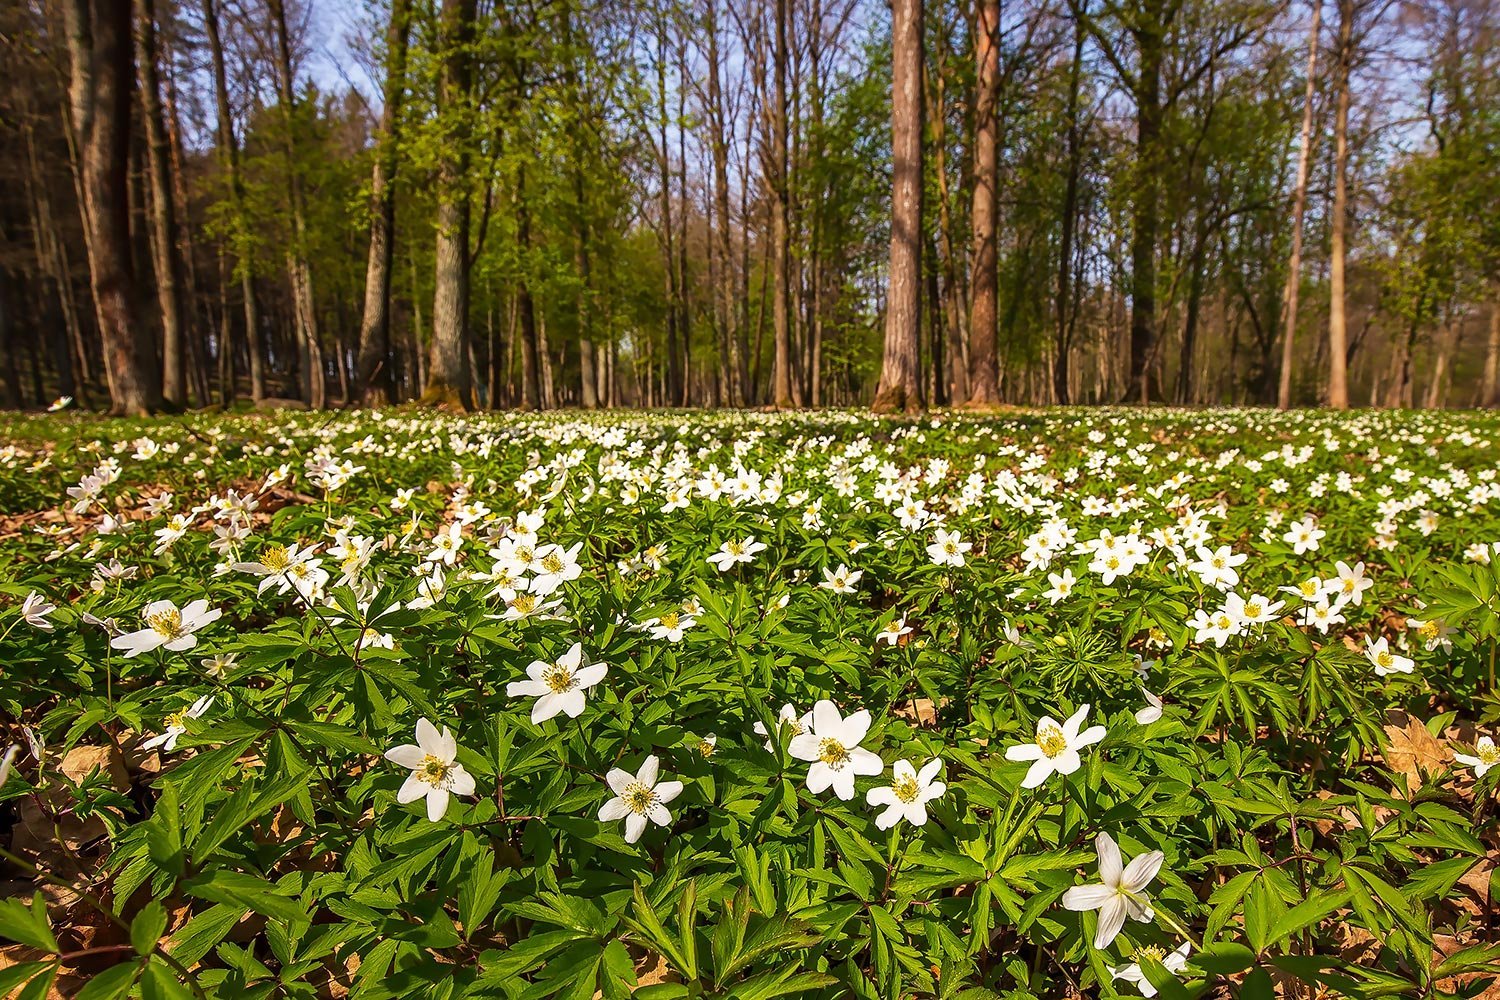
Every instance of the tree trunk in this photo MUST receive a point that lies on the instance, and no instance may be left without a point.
(900, 387)
(166, 255)
(1338, 386)
(375, 369)
(448, 375)
(1146, 214)
(782, 378)
(228, 146)
(1065, 314)
(1299, 210)
(984, 374)
(299, 269)
(100, 76)
(1490, 388)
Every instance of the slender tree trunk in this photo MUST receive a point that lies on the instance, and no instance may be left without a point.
(1064, 314)
(228, 146)
(582, 258)
(782, 377)
(100, 76)
(1338, 385)
(299, 268)
(1446, 341)
(984, 373)
(167, 257)
(1490, 388)
(900, 387)
(1299, 210)
(1147, 211)
(531, 378)
(448, 375)
(375, 367)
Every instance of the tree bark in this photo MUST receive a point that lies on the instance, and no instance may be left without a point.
(1064, 313)
(100, 76)
(783, 387)
(1147, 209)
(229, 149)
(375, 368)
(984, 374)
(1338, 385)
(1490, 387)
(1299, 210)
(900, 387)
(166, 254)
(299, 269)
(448, 374)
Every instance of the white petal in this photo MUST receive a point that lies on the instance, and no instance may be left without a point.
(1111, 919)
(412, 789)
(1110, 865)
(1087, 897)
(666, 791)
(650, 767)
(1038, 773)
(437, 804)
(1139, 873)
(826, 718)
(614, 809)
(406, 755)
(635, 825)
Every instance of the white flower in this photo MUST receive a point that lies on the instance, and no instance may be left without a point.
(558, 686)
(435, 770)
(1062, 585)
(947, 548)
(35, 610)
(908, 793)
(1122, 891)
(1304, 536)
(176, 724)
(787, 719)
(60, 403)
(1173, 961)
(842, 580)
(167, 626)
(639, 797)
(1217, 568)
(555, 566)
(832, 745)
(1486, 755)
(732, 553)
(1056, 747)
(1378, 652)
(1351, 584)
(892, 631)
(670, 626)
(1152, 711)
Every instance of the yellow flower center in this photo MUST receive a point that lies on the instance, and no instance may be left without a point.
(638, 798)
(275, 558)
(524, 603)
(167, 623)
(1149, 951)
(552, 563)
(1384, 659)
(906, 789)
(1310, 586)
(734, 548)
(1430, 630)
(670, 620)
(1490, 755)
(558, 677)
(176, 720)
(1252, 610)
(833, 753)
(1051, 740)
(706, 748)
(434, 770)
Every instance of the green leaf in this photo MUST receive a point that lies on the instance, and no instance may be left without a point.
(27, 925)
(112, 983)
(147, 927)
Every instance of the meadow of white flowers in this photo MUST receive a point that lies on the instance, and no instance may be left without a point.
(749, 705)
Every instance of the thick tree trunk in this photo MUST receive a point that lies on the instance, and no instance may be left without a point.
(448, 375)
(900, 387)
(228, 146)
(1299, 210)
(1338, 385)
(99, 50)
(984, 373)
(375, 369)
